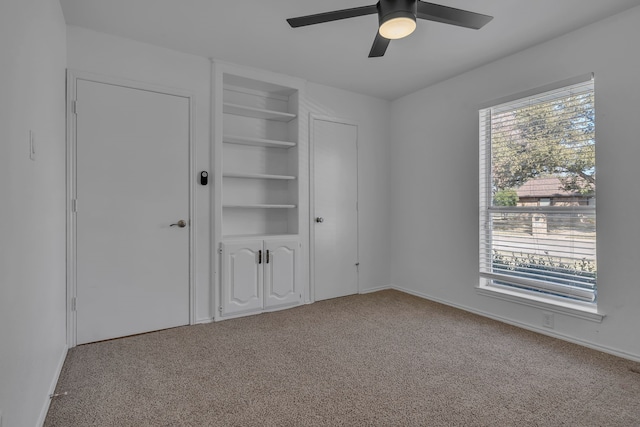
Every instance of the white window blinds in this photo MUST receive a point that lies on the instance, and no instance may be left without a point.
(537, 194)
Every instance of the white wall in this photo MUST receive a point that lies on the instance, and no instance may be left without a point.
(434, 180)
(373, 118)
(123, 58)
(32, 207)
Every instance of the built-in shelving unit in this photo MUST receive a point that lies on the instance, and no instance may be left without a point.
(258, 143)
(256, 137)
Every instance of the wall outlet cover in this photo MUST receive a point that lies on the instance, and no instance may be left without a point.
(547, 320)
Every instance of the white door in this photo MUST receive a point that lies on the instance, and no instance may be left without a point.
(242, 273)
(335, 226)
(132, 183)
(281, 273)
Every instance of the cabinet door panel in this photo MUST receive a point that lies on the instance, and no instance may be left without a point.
(241, 277)
(281, 280)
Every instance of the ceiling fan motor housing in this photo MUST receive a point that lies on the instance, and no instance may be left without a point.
(390, 9)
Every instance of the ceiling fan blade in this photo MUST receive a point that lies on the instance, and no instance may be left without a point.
(332, 16)
(453, 16)
(379, 47)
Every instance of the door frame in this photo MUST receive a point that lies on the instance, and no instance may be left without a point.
(73, 76)
(312, 176)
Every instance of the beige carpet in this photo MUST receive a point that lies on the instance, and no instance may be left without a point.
(383, 359)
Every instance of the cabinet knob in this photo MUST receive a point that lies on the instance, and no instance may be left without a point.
(319, 219)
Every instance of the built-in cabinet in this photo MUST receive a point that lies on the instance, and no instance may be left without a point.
(257, 161)
(260, 275)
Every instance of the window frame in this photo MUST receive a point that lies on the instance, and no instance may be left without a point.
(487, 285)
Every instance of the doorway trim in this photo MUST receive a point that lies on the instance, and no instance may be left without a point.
(312, 176)
(71, 172)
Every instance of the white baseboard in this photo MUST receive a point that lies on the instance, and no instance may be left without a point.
(204, 321)
(52, 387)
(540, 330)
(376, 289)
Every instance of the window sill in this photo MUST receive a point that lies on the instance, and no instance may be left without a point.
(586, 312)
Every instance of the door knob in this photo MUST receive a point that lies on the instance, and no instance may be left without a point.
(182, 224)
(319, 219)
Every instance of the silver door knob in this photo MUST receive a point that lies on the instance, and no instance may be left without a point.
(319, 219)
(182, 224)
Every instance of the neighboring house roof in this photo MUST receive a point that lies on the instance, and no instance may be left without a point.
(544, 187)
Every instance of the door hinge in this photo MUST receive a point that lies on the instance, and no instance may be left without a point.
(74, 107)
(73, 304)
(74, 205)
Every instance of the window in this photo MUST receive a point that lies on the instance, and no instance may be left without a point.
(537, 195)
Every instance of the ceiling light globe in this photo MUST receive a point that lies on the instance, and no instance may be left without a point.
(397, 28)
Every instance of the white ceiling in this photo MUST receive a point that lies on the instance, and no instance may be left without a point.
(255, 33)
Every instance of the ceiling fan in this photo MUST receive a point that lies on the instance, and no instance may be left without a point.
(397, 19)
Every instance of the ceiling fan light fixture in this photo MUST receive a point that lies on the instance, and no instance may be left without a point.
(396, 18)
(397, 27)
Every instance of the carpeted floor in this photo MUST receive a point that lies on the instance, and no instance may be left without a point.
(382, 359)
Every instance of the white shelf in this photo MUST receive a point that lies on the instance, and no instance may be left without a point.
(258, 142)
(259, 236)
(258, 113)
(258, 206)
(257, 176)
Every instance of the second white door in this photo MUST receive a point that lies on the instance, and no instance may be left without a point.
(335, 225)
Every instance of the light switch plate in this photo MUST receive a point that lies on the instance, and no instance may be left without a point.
(32, 149)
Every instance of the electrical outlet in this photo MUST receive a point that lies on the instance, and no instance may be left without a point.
(547, 320)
